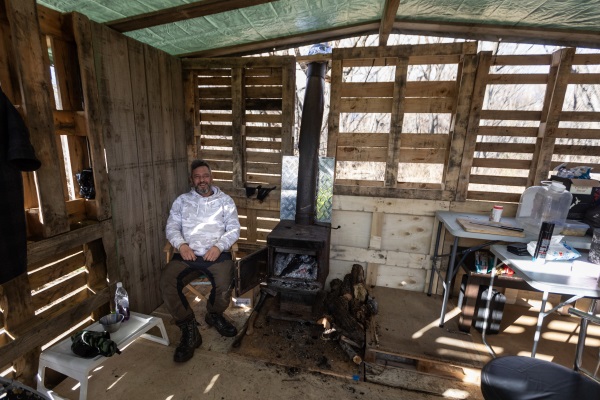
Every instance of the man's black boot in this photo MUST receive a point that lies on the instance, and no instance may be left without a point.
(223, 326)
(190, 340)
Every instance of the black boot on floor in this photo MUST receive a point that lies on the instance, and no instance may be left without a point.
(190, 340)
(223, 326)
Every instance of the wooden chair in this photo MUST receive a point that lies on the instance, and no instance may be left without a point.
(170, 251)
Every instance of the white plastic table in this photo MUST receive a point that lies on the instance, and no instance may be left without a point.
(578, 278)
(61, 359)
(448, 220)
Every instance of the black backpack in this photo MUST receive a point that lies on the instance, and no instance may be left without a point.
(89, 344)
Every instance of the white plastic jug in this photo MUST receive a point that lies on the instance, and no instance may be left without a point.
(544, 204)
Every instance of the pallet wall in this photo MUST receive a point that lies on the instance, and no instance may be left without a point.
(113, 105)
(240, 119)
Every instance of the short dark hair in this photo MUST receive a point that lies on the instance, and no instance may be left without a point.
(199, 163)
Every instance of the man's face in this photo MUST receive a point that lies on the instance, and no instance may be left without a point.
(202, 180)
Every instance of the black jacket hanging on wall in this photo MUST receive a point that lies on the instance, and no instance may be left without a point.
(16, 155)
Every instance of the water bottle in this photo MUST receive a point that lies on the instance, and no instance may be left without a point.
(122, 301)
(544, 204)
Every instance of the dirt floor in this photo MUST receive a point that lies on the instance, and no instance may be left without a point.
(412, 357)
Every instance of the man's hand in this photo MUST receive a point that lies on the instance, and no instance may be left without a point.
(212, 254)
(186, 252)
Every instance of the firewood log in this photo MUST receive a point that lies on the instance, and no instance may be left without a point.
(358, 274)
(349, 350)
(344, 322)
(360, 292)
(347, 287)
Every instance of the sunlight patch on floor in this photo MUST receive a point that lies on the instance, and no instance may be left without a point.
(435, 323)
(211, 384)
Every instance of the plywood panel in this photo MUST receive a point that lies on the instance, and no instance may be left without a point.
(355, 228)
(408, 233)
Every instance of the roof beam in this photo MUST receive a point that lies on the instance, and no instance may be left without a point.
(495, 33)
(287, 42)
(179, 13)
(387, 20)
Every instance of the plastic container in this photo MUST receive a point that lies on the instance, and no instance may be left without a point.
(496, 213)
(544, 204)
(122, 301)
(575, 228)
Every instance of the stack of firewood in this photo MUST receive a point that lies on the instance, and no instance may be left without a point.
(349, 308)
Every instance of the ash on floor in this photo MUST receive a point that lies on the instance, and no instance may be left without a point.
(294, 344)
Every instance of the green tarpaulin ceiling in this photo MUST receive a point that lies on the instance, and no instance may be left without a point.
(232, 27)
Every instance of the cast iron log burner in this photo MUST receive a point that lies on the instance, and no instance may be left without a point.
(299, 250)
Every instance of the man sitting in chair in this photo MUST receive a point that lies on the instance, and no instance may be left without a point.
(203, 225)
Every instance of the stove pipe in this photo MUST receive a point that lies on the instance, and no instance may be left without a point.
(310, 135)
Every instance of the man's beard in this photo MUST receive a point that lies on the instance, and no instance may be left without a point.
(203, 190)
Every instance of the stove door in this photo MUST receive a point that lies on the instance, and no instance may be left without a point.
(251, 271)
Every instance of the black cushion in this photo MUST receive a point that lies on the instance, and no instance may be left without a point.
(526, 378)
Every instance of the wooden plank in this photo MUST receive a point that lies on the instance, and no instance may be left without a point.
(146, 275)
(37, 98)
(511, 115)
(470, 129)
(580, 116)
(209, 66)
(384, 105)
(379, 154)
(422, 194)
(238, 126)
(496, 197)
(577, 150)
(562, 64)
(52, 247)
(93, 113)
(55, 292)
(498, 180)
(386, 89)
(505, 147)
(70, 123)
(112, 68)
(504, 163)
(396, 120)
(584, 79)
(460, 121)
(41, 330)
(575, 133)
(533, 59)
(374, 243)
(180, 13)
(512, 131)
(51, 23)
(363, 139)
(8, 68)
(273, 132)
(66, 71)
(399, 51)
(288, 104)
(518, 79)
(333, 123)
(181, 156)
(388, 16)
(468, 226)
(95, 263)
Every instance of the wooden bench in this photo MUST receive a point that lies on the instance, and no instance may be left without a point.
(61, 359)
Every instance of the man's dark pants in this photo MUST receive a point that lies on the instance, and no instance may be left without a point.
(179, 273)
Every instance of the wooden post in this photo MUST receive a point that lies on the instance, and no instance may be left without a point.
(483, 69)
(37, 100)
(562, 61)
(93, 113)
(396, 120)
(238, 127)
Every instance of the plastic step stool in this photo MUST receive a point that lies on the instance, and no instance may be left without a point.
(61, 359)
